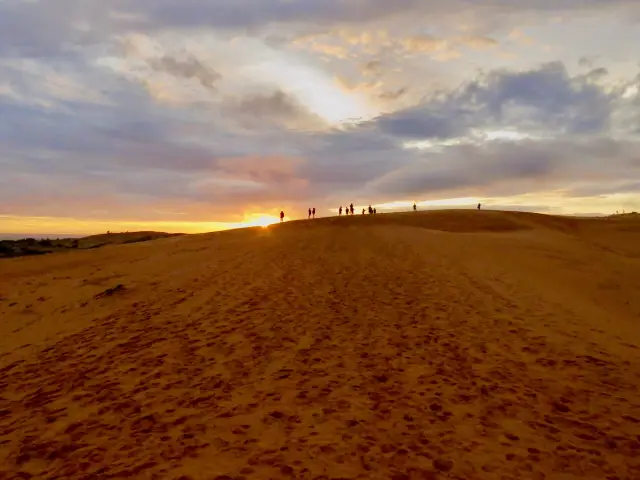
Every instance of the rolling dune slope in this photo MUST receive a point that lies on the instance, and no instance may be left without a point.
(454, 344)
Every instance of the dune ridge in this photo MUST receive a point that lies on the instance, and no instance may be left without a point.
(453, 344)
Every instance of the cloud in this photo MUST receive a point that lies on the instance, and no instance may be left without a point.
(505, 168)
(519, 36)
(255, 13)
(270, 170)
(87, 127)
(136, 152)
(543, 100)
(372, 67)
(393, 95)
(186, 68)
(40, 28)
(277, 108)
(608, 188)
(424, 43)
(419, 123)
(331, 50)
(479, 43)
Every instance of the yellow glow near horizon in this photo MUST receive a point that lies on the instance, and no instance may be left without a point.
(450, 202)
(554, 201)
(55, 226)
(259, 221)
(445, 202)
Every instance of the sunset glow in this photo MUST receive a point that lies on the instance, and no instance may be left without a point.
(218, 115)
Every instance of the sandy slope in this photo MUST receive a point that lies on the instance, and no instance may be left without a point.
(436, 345)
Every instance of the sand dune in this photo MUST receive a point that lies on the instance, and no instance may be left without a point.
(457, 344)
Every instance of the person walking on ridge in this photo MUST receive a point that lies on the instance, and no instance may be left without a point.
(281, 217)
(309, 213)
(415, 207)
(340, 210)
(351, 208)
(313, 212)
(479, 206)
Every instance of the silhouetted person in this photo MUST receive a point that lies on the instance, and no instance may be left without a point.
(363, 211)
(281, 217)
(370, 210)
(479, 206)
(415, 207)
(375, 211)
(351, 208)
(340, 210)
(309, 213)
(313, 212)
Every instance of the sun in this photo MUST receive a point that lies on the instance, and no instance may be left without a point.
(260, 221)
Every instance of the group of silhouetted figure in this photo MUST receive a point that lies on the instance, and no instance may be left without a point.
(350, 211)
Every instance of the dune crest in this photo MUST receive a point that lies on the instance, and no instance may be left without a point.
(455, 344)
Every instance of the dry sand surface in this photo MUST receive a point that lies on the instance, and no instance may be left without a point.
(457, 344)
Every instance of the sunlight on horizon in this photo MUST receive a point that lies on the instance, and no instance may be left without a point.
(446, 202)
(259, 221)
(552, 202)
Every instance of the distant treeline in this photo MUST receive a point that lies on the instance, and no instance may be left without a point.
(31, 246)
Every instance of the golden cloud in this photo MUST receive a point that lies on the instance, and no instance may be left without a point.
(424, 44)
(331, 50)
(479, 43)
(520, 37)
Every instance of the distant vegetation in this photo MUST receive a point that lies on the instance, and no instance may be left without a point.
(31, 246)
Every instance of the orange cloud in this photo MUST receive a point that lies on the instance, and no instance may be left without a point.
(369, 41)
(331, 50)
(520, 37)
(479, 43)
(424, 44)
(447, 55)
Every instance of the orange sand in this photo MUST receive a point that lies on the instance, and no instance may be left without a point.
(457, 344)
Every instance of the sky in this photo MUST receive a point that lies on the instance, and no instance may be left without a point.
(199, 115)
